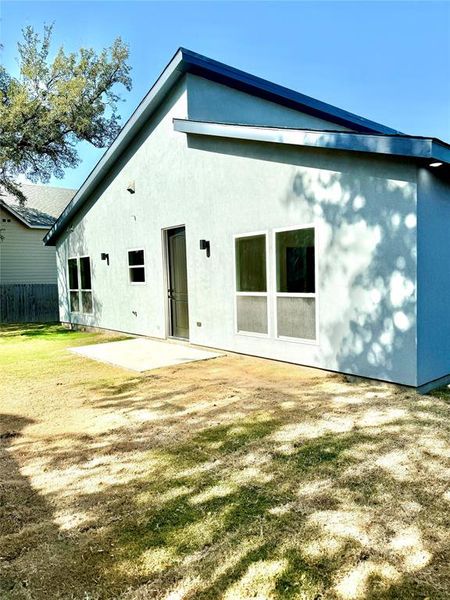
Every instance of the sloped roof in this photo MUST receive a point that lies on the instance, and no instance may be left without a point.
(185, 61)
(43, 204)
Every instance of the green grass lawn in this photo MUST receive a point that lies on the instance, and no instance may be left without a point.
(234, 478)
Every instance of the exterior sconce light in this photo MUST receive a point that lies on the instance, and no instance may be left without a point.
(131, 187)
(105, 256)
(204, 245)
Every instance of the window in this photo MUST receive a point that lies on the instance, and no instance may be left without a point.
(251, 284)
(295, 283)
(73, 285)
(136, 266)
(80, 286)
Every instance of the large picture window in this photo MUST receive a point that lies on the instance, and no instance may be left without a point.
(80, 285)
(295, 283)
(251, 284)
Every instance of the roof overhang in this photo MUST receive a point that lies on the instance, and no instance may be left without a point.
(20, 218)
(429, 149)
(186, 61)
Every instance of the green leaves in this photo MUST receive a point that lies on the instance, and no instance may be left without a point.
(53, 105)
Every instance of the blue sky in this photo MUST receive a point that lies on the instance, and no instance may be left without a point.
(387, 61)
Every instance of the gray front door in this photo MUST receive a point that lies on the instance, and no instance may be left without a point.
(178, 288)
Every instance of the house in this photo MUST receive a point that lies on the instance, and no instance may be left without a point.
(241, 215)
(28, 277)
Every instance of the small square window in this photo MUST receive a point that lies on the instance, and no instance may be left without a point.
(136, 266)
(135, 258)
(137, 275)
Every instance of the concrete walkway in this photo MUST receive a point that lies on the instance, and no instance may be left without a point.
(143, 354)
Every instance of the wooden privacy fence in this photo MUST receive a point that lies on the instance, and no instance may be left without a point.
(28, 303)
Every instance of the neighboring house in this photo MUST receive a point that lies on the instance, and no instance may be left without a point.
(24, 259)
(241, 215)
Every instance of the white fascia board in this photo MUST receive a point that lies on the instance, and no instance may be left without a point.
(398, 145)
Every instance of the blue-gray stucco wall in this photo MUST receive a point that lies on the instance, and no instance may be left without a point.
(433, 275)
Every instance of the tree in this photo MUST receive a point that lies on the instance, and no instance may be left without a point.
(53, 105)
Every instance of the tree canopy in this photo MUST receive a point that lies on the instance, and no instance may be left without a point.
(54, 103)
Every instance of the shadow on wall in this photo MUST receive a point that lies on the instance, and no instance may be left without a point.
(366, 208)
(77, 247)
(367, 269)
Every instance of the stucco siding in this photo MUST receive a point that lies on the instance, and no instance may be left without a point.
(363, 208)
(23, 256)
(211, 101)
(433, 276)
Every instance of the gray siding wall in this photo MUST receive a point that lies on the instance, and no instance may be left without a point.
(433, 276)
(23, 256)
(364, 210)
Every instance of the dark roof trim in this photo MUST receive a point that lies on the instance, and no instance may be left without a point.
(186, 61)
(212, 69)
(18, 216)
(430, 149)
(144, 110)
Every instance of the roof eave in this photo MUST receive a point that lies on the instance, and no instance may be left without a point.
(392, 145)
(440, 151)
(222, 73)
(18, 216)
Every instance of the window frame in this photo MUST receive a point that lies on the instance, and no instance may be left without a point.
(129, 267)
(265, 294)
(80, 290)
(277, 294)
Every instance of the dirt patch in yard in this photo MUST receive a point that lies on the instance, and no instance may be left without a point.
(232, 478)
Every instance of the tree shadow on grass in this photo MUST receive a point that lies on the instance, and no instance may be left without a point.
(32, 330)
(298, 494)
(25, 515)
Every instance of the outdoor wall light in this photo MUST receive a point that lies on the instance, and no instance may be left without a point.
(105, 256)
(436, 164)
(204, 245)
(131, 187)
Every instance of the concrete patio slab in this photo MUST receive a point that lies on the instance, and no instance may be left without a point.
(143, 354)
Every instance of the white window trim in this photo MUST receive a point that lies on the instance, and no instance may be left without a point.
(260, 294)
(315, 295)
(136, 267)
(80, 289)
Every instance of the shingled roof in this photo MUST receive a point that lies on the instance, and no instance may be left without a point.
(43, 204)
